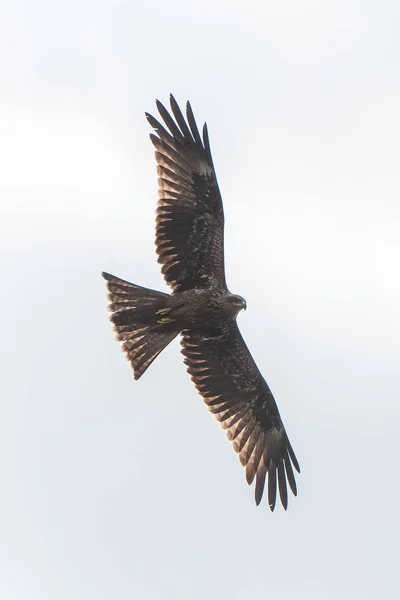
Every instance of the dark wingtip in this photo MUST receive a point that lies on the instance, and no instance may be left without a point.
(293, 457)
(206, 141)
(149, 118)
(169, 121)
(154, 138)
(154, 124)
(192, 123)
(284, 502)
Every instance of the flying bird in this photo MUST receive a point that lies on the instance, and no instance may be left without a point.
(190, 248)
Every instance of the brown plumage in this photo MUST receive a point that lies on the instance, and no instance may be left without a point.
(189, 240)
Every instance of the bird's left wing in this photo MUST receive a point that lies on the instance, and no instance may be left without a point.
(233, 388)
(190, 219)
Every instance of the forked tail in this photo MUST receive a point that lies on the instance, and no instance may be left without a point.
(136, 313)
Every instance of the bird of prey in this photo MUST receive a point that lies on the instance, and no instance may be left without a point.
(190, 247)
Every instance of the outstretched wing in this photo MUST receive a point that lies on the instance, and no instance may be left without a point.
(233, 388)
(190, 220)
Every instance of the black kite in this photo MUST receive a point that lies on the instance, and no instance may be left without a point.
(190, 241)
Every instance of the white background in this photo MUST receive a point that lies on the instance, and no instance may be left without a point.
(112, 489)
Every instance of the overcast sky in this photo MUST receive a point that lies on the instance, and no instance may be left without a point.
(116, 489)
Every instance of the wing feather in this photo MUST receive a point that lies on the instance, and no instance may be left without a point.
(282, 483)
(244, 457)
(252, 464)
(260, 483)
(170, 123)
(234, 390)
(192, 123)
(272, 486)
(180, 119)
(207, 143)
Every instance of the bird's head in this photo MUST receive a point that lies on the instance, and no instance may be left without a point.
(234, 304)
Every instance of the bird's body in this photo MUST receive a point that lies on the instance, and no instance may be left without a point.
(189, 240)
(203, 309)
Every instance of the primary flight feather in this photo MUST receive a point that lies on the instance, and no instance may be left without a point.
(190, 247)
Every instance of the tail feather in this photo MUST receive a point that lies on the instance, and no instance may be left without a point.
(136, 322)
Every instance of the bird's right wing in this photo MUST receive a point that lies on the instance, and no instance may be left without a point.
(233, 388)
(190, 220)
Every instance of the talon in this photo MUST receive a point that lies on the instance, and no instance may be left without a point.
(164, 320)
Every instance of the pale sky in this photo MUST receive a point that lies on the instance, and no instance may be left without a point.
(114, 489)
